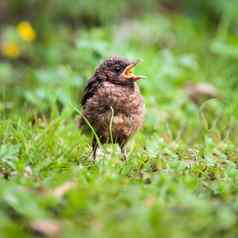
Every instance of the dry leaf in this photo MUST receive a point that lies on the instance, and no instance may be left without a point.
(46, 228)
(64, 188)
(150, 201)
(28, 171)
(200, 92)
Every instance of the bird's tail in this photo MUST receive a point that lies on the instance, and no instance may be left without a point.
(80, 122)
(82, 125)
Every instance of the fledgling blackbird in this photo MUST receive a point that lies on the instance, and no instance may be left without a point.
(112, 103)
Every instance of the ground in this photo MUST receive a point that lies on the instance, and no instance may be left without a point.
(181, 177)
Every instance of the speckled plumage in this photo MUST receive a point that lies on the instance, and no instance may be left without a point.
(112, 105)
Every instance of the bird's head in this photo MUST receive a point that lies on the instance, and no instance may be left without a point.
(119, 70)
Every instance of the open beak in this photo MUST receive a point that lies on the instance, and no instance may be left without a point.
(128, 72)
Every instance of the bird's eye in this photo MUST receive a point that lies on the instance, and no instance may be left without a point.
(117, 69)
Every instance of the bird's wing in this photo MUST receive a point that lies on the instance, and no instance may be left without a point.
(90, 89)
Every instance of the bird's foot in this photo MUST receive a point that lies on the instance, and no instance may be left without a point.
(124, 153)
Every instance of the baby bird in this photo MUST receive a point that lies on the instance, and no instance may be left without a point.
(112, 104)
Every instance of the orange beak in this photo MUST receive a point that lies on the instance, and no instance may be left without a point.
(128, 72)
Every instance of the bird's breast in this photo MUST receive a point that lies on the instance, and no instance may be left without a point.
(116, 108)
(122, 99)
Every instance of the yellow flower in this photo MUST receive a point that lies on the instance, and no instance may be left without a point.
(26, 31)
(11, 50)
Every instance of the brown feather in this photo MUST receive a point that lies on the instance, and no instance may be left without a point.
(114, 108)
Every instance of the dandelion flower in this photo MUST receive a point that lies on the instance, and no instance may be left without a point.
(26, 31)
(11, 50)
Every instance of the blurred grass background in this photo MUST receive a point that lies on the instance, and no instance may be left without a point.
(181, 176)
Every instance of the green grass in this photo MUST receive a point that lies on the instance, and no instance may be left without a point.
(181, 177)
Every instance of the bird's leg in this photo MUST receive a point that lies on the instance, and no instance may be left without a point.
(123, 150)
(94, 148)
